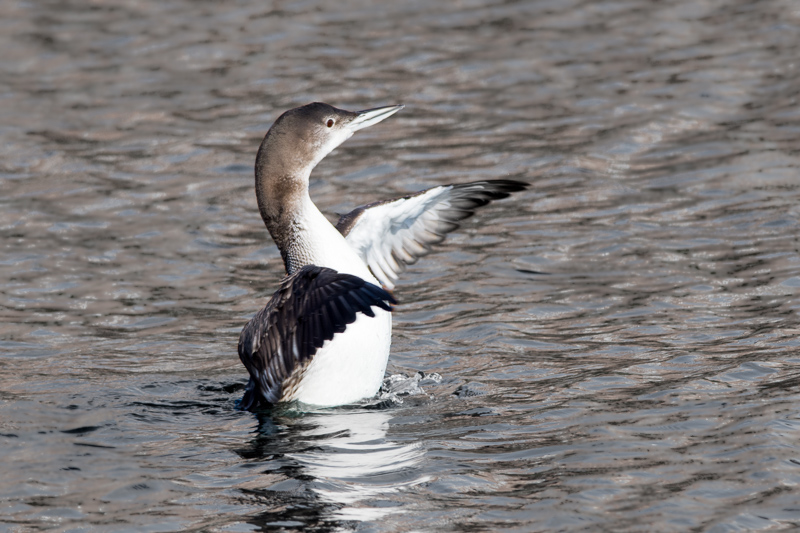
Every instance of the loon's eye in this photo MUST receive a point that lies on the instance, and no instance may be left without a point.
(330, 122)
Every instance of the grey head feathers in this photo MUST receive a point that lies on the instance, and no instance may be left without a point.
(292, 147)
(300, 138)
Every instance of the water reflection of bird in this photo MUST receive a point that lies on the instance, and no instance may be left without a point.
(324, 337)
(328, 469)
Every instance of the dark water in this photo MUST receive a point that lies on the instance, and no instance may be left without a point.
(618, 346)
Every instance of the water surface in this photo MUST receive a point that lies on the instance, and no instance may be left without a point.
(614, 349)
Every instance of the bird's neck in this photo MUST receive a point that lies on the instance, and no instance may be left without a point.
(301, 232)
(281, 190)
(305, 237)
(282, 201)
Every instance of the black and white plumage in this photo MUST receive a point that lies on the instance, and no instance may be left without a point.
(391, 234)
(324, 337)
(310, 307)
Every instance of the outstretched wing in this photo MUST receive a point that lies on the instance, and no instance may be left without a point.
(310, 307)
(392, 234)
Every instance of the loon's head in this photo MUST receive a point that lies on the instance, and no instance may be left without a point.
(303, 136)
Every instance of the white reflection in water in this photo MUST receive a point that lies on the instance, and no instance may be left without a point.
(352, 461)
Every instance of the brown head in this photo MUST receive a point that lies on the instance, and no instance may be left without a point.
(293, 146)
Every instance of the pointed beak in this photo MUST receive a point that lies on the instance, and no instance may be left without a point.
(368, 117)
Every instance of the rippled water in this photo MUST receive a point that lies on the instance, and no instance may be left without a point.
(614, 349)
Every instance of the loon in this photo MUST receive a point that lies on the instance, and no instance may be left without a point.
(323, 338)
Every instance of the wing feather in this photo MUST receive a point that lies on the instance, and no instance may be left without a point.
(393, 234)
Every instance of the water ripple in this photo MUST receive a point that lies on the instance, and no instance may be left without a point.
(614, 347)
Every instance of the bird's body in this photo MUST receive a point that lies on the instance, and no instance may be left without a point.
(324, 337)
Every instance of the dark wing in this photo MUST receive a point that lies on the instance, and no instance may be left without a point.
(392, 234)
(310, 307)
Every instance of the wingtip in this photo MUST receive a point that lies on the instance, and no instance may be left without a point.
(507, 185)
